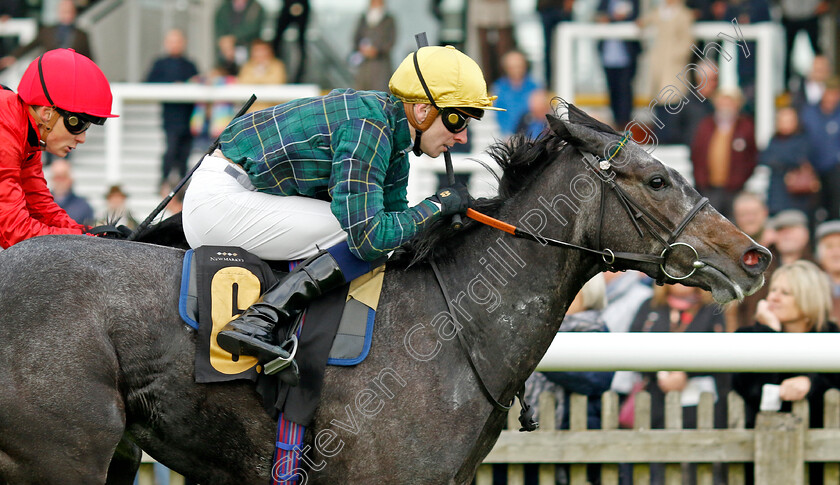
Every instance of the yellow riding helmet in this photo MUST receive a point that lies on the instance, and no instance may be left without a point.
(454, 80)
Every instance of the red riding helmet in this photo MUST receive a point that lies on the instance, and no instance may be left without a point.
(65, 79)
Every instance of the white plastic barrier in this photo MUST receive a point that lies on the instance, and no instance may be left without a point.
(722, 352)
(187, 92)
(766, 34)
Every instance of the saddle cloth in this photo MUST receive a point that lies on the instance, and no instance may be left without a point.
(219, 283)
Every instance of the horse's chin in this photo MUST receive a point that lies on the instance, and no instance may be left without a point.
(724, 289)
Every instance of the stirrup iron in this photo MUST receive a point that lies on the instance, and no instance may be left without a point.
(280, 363)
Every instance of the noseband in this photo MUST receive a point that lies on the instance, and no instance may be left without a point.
(638, 216)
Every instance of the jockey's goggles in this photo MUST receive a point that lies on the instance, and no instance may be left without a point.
(75, 123)
(454, 119)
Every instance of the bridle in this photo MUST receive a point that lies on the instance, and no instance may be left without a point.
(638, 215)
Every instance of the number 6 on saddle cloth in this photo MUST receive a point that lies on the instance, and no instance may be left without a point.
(218, 283)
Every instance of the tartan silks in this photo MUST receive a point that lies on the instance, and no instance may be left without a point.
(347, 147)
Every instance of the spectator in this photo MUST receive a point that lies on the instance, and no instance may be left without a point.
(619, 59)
(799, 301)
(672, 23)
(822, 125)
(678, 308)
(263, 67)
(791, 237)
(374, 39)
(801, 15)
(209, 119)
(747, 12)
(809, 91)
(117, 212)
(552, 12)
(786, 153)
(723, 152)
(238, 23)
(583, 315)
(680, 127)
(513, 90)
(175, 68)
(534, 122)
(59, 96)
(64, 35)
(10, 9)
(493, 23)
(293, 12)
(828, 255)
(61, 183)
(751, 216)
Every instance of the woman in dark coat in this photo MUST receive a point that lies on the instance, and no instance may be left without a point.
(799, 301)
(786, 151)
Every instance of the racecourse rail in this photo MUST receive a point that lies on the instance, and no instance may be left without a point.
(186, 92)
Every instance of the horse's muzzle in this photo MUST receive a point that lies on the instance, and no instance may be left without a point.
(755, 260)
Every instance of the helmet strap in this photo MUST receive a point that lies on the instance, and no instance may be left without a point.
(419, 128)
(46, 126)
(412, 118)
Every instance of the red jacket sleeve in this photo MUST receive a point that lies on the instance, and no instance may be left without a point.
(27, 208)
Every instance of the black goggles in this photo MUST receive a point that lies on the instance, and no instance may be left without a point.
(456, 119)
(75, 123)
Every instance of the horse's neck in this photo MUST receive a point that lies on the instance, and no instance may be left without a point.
(512, 294)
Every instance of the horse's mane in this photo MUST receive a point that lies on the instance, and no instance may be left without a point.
(522, 160)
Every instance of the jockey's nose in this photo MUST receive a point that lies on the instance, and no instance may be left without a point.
(755, 260)
(461, 137)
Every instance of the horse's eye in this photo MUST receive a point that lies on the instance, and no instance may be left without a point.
(657, 183)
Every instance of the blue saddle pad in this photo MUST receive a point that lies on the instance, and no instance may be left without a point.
(355, 330)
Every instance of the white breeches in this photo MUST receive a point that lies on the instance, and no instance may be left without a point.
(219, 211)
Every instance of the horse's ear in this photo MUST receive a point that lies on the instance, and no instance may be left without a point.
(579, 136)
(558, 126)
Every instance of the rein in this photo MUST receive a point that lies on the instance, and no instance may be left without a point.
(634, 210)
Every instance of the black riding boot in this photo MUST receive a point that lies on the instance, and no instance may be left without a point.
(252, 332)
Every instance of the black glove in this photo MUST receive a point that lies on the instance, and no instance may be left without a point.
(109, 231)
(452, 200)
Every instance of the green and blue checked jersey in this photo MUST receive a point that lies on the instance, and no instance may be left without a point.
(348, 147)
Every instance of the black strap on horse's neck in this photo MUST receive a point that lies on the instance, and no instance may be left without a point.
(462, 341)
(526, 413)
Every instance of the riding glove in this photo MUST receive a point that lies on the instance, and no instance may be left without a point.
(452, 200)
(109, 231)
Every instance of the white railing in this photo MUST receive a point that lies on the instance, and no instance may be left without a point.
(186, 92)
(24, 29)
(721, 352)
(766, 34)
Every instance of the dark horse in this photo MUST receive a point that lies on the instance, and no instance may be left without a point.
(95, 359)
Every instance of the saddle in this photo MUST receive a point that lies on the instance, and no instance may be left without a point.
(219, 283)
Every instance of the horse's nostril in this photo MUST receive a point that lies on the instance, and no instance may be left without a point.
(752, 258)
